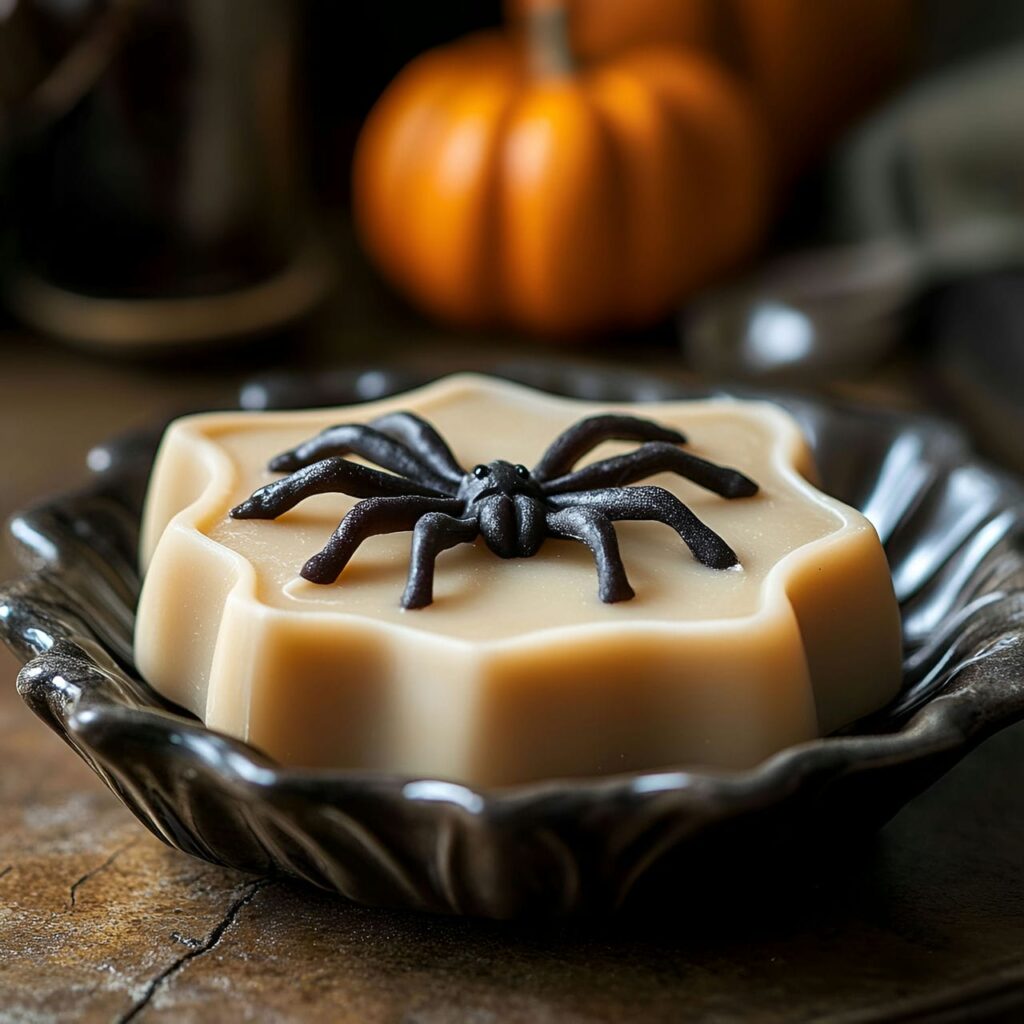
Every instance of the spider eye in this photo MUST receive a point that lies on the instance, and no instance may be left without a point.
(521, 471)
(480, 472)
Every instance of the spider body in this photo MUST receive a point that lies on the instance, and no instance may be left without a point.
(514, 509)
(508, 505)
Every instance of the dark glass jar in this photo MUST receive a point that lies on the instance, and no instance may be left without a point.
(158, 195)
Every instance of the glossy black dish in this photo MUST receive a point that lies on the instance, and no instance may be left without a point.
(954, 534)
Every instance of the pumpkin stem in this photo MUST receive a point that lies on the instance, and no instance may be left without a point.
(547, 38)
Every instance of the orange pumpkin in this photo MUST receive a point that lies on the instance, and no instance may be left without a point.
(495, 183)
(813, 65)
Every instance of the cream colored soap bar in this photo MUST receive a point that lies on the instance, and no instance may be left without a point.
(516, 671)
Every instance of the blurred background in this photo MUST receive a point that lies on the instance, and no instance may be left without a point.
(821, 194)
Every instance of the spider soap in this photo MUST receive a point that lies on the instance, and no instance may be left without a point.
(484, 583)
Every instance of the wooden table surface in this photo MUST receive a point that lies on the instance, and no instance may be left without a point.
(100, 922)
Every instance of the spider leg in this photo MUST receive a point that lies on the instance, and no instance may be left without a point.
(336, 474)
(648, 459)
(416, 433)
(370, 444)
(572, 444)
(595, 529)
(659, 505)
(434, 533)
(369, 518)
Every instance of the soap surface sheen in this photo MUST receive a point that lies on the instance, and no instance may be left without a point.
(517, 671)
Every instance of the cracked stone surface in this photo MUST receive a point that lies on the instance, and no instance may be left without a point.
(100, 923)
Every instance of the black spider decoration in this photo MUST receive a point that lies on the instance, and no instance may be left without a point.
(514, 509)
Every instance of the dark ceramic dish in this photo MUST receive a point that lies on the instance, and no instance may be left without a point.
(953, 532)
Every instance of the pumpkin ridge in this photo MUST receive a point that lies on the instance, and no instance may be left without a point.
(643, 146)
(382, 175)
(555, 195)
(493, 272)
(699, 211)
(477, 107)
(728, 36)
(725, 155)
(615, 293)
